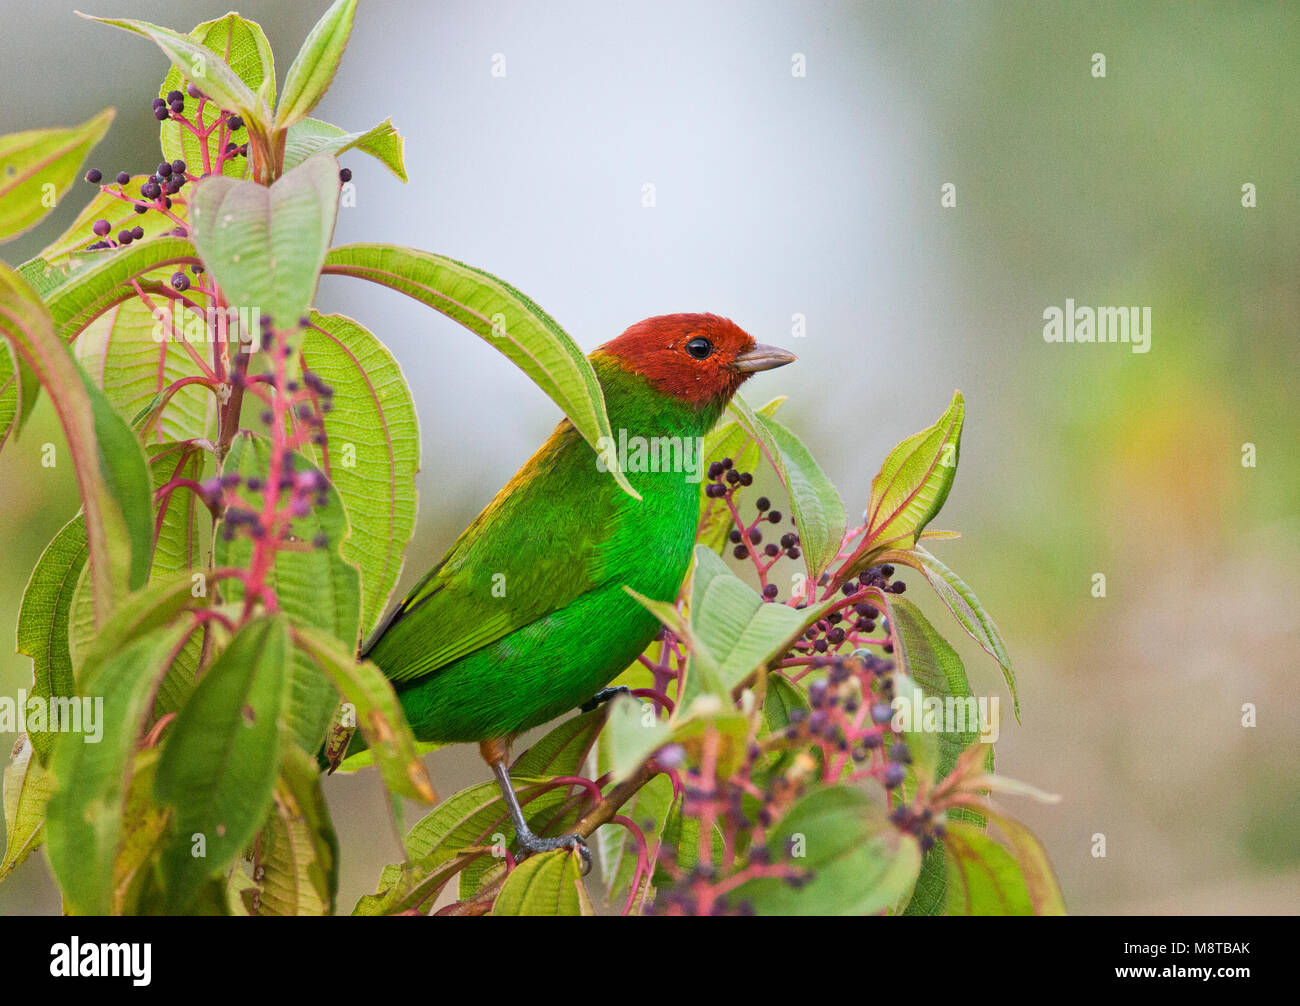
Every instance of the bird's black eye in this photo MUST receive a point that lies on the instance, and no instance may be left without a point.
(699, 347)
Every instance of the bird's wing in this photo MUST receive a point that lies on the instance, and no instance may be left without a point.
(536, 547)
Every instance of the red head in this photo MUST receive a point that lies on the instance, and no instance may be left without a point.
(695, 357)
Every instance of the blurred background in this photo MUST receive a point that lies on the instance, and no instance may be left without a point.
(779, 195)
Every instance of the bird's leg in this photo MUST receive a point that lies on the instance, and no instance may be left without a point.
(604, 695)
(495, 752)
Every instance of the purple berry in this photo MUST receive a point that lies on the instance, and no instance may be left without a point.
(94, 175)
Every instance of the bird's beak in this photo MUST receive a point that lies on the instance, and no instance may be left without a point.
(763, 358)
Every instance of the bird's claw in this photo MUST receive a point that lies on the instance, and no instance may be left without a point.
(534, 843)
(604, 695)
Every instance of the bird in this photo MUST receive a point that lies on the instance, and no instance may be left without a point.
(527, 614)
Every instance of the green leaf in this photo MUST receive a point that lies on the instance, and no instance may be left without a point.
(549, 883)
(860, 863)
(104, 467)
(372, 454)
(241, 45)
(312, 136)
(451, 837)
(27, 788)
(316, 587)
(913, 483)
(631, 735)
(316, 63)
(378, 713)
(983, 878)
(18, 391)
(83, 824)
(966, 608)
(148, 609)
(38, 166)
(82, 288)
(144, 824)
(564, 749)
(929, 662)
(126, 478)
(43, 619)
(220, 757)
(298, 854)
(727, 440)
(818, 512)
(264, 245)
(194, 61)
(1040, 880)
(497, 313)
(729, 617)
(783, 698)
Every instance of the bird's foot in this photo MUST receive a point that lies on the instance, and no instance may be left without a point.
(530, 843)
(604, 695)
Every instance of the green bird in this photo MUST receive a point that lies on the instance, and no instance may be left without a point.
(526, 617)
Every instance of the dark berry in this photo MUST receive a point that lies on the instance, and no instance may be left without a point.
(772, 550)
(894, 775)
(775, 516)
(124, 237)
(137, 232)
(734, 537)
(715, 471)
(178, 166)
(345, 174)
(94, 175)
(770, 591)
(746, 479)
(101, 227)
(234, 123)
(161, 113)
(762, 503)
(740, 551)
(164, 169)
(193, 92)
(151, 190)
(180, 281)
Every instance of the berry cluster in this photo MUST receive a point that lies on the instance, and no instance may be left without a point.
(161, 190)
(746, 536)
(851, 714)
(742, 808)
